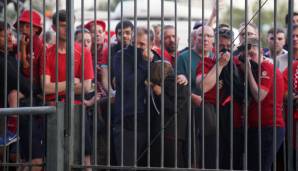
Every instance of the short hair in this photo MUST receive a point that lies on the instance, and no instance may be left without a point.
(156, 26)
(287, 17)
(143, 30)
(168, 27)
(80, 30)
(126, 24)
(62, 17)
(2, 25)
(278, 30)
(252, 24)
(224, 26)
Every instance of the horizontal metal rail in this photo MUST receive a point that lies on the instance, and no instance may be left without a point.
(42, 110)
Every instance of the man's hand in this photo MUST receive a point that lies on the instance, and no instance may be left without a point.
(224, 59)
(196, 100)
(182, 80)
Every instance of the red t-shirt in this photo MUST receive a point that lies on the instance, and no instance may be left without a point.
(210, 96)
(267, 84)
(295, 83)
(50, 68)
(38, 54)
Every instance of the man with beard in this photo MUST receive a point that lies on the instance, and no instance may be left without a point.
(170, 45)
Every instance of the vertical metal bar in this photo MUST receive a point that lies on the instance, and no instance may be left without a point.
(109, 90)
(31, 84)
(175, 91)
(189, 88)
(122, 86)
(18, 80)
(95, 59)
(5, 78)
(217, 86)
(274, 92)
(83, 116)
(162, 87)
(56, 56)
(232, 91)
(290, 87)
(259, 85)
(70, 73)
(94, 151)
(148, 92)
(203, 93)
(135, 87)
(246, 94)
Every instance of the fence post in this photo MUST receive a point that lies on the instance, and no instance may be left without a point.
(55, 139)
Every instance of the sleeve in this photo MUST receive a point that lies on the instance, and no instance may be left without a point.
(266, 77)
(103, 60)
(88, 66)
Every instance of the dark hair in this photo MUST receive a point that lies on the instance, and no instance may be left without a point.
(224, 26)
(287, 17)
(156, 71)
(126, 24)
(80, 30)
(143, 30)
(62, 17)
(2, 25)
(278, 30)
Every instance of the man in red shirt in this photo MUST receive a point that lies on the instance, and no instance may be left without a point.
(25, 53)
(265, 97)
(170, 45)
(50, 71)
(210, 101)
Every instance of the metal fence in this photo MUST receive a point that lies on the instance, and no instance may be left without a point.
(144, 107)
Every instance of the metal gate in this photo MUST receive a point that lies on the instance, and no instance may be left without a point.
(119, 103)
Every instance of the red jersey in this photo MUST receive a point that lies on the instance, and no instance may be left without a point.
(38, 54)
(295, 83)
(267, 84)
(210, 96)
(50, 68)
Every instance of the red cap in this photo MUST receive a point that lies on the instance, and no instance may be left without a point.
(36, 19)
(98, 22)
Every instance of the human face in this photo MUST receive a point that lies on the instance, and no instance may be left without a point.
(295, 19)
(295, 39)
(253, 54)
(87, 39)
(98, 32)
(251, 33)
(169, 40)
(127, 35)
(224, 43)
(9, 40)
(157, 36)
(25, 29)
(208, 39)
(62, 30)
(280, 42)
(142, 43)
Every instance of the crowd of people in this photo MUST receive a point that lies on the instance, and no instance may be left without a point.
(146, 75)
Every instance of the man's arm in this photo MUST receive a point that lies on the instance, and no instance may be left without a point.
(210, 79)
(254, 87)
(50, 87)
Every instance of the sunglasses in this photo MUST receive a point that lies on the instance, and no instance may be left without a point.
(226, 33)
